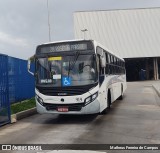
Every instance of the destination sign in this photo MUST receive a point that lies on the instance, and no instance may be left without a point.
(61, 47)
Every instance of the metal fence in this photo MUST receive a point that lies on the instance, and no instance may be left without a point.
(16, 84)
(21, 83)
(4, 92)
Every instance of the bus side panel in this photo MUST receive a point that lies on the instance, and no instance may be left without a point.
(115, 83)
(103, 95)
(124, 83)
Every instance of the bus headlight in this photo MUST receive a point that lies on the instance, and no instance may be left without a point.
(88, 100)
(91, 98)
(39, 99)
(94, 96)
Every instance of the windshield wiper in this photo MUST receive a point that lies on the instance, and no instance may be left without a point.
(71, 65)
(44, 66)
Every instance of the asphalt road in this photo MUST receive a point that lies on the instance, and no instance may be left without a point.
(134, 120)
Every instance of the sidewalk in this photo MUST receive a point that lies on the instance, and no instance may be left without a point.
(156, 86)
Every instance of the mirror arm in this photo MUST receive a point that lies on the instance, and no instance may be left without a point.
(29, 65)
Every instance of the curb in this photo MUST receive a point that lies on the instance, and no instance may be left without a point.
(23, 114)
(157, 91)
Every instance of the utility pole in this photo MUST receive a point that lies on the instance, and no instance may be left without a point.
(49, 28)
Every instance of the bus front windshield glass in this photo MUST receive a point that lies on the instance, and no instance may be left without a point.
(63, 71)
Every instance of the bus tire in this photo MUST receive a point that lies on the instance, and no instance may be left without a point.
(121, 96)
(109, 99)
(108, 104)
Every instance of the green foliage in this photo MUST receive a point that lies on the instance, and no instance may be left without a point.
(24, 105)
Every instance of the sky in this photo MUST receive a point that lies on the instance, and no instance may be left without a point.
(24, 23)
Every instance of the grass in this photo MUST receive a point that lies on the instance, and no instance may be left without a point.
(24, 105)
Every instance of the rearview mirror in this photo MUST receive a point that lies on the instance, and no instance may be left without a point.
(31, 59)
(102, 57)
(103, 61)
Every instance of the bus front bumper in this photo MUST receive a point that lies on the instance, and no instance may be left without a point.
(91, 108)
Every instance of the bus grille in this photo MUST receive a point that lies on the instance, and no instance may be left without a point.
(71, 107)
(62, 91)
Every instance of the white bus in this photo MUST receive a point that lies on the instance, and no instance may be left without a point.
(77, 77)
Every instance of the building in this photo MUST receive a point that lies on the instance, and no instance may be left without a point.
(133, 34)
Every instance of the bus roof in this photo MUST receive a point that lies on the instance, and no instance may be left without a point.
(74, 40)
(100, 45)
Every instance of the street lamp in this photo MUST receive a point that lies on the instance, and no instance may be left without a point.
(84, 31)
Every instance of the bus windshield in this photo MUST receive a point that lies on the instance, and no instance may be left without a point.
(68, 70)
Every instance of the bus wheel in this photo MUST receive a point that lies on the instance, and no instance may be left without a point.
(121, 96)
(108, 104)
(109, 99)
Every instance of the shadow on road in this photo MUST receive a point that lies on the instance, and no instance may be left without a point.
(46, 119)
(71, 119)
(60, 119)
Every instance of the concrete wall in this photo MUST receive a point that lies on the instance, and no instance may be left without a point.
(128, 33)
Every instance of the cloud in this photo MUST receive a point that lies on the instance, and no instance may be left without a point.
(12, 40)
(23, 23)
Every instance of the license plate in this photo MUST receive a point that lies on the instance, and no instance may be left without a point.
(62, 109)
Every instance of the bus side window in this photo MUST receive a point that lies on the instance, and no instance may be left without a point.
(111, 70)
(98, 65)
(107, 66)
(118, 63)
(106, 57)
(114, 60)
(101, 71)
(109, 59)
(114, 69)
(124, 65)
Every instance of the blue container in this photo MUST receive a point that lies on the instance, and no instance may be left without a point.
(16, 84)
(21, 83)
(4, 92)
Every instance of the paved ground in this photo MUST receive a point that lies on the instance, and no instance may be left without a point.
(134, 120)
(156, 86)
